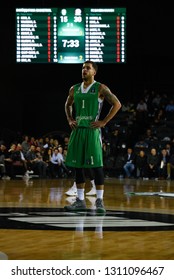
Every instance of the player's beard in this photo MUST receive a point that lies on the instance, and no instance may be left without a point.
(84, 79)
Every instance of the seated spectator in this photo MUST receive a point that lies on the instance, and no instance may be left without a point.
(40, 142)
(149, 135)
(33, 141)
(129, 163)
(115, 142)
(35, 161)
(150, 138)
(156, 101)
(151, 170)
(141, 113)
(141, 144)
(46, 158)
(19, 160)
(169, 109)
(164, 165)
(46, 143)
(169, 148)
(54, 165)
(63, 168)
(127, 107)
(9, 161)
(15, 159)
(66, 142)
(159, 117)
(140, 164)
(25, 144)
(3, 157)
(56, 143)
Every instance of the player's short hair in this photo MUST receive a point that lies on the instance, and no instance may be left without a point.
(94, 65)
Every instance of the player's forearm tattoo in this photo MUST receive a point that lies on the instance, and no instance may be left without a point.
(68, 107)
(109, 96)
(68, 110)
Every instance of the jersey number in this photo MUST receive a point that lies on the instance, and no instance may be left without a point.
(83, 104)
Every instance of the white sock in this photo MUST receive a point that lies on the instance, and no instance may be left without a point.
(80, 193)
(74, 185)
(100, 193)
(93, 183)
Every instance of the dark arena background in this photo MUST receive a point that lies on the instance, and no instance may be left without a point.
(33, 95)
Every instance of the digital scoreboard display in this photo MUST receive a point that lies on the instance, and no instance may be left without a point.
(70, 35)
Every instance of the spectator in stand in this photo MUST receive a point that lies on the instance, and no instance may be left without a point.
(141, 110)
(164, 100)
(156, 101)
(33, 141)
(129, 162)
(164, 165)
(47, 153)
(46, 143)
(54, 166)
(148, 97)
(150, 138)
(170, 110)
(63, 168)
(66, 141)
(127, 107)
(16, 159)
(25, 144)
(115, 142)
(141, 144)
(169, 148)
(141, 115)
(152, 168)
(3, 157)
(159, 117)
(9, 161)
(141, 164)
(35, 161)
(57, 166)
(51, 143)
(40, 143)
(56, 143)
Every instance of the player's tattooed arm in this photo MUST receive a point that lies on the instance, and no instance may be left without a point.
(69, 108)
(105, 93)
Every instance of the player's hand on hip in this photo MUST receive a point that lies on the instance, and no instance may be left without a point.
(97, 124)
(72, 124)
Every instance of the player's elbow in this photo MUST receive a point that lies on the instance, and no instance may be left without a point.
(118, 105)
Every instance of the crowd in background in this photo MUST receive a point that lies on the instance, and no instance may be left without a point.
(44, 157)
(137, 143)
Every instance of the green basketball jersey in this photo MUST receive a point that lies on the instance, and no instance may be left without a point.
(85, 144)
(87, 105)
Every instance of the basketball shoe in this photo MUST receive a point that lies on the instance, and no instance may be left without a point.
(78, 205)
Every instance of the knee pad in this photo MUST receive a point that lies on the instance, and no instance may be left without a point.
(99, 175)
(79, 176)
(90, 173)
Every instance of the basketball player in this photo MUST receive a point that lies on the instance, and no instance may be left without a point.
(85, 144)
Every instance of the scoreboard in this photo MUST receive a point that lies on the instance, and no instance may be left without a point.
(70, 35)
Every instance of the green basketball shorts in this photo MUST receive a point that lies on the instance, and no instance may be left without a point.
(85, 148)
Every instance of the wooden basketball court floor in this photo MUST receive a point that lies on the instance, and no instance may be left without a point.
(138, 224)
